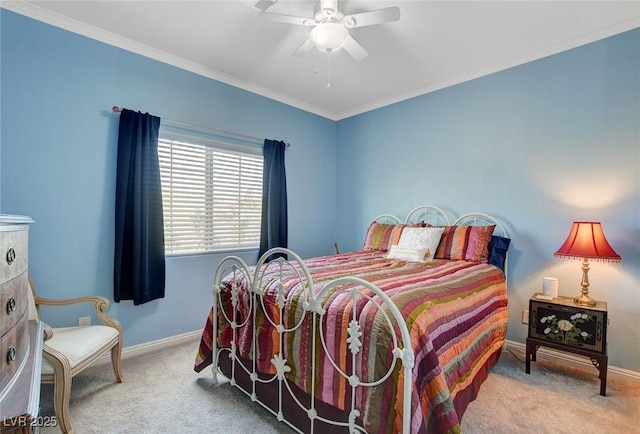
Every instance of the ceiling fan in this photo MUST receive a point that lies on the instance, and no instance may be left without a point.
(330, 27)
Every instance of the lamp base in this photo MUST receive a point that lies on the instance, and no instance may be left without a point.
(584, 300)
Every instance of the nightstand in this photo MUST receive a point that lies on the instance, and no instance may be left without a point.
(563, 325)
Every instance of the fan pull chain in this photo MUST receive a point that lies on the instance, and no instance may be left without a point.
(328, 71)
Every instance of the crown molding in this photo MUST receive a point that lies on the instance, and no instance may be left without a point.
(568, 44)
(46, 16)
(74, 26)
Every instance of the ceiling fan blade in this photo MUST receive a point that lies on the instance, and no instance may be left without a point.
(354, 49)
(304, 48)
(289, 19)
(263, 5)
(370, 18)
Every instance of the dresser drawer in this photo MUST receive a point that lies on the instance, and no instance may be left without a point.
(13, 253)
(13, 301)
(14, 347)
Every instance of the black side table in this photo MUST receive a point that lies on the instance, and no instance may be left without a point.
(563, 325)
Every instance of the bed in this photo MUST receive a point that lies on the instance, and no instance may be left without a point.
(391, 338)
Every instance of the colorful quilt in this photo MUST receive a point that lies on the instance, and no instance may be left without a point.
(456, 313)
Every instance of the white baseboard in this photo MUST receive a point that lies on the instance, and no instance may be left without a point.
(542, 353)
(148, 347)
(568, 358)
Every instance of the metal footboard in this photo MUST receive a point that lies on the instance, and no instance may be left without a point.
(240, 310)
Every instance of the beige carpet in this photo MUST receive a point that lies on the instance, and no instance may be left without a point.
(162, 394)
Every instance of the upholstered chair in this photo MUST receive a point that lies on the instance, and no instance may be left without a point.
(67, 351)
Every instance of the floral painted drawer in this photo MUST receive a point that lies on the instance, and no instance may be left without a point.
(562, 321)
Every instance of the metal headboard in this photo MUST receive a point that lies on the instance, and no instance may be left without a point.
(388, 219)
(428, 214)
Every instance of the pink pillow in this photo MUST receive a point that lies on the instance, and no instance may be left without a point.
(381, 236)
(468, 243)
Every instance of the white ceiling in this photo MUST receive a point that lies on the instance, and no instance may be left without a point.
(434, 44)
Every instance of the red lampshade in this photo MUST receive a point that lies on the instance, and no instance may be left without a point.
(587, 240)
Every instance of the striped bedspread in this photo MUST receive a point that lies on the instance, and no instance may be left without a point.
(456, 313)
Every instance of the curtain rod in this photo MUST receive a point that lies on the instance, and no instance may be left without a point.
(117, 109)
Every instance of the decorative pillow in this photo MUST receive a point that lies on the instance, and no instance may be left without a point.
(381, 236)
(468, 243)
(409, 254)
(423, 238)
(498, 251)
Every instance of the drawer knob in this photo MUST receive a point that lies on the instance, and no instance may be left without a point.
(11, 305)
(11, 256)
(11, 354)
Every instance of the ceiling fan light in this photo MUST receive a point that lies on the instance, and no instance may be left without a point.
(329, 37)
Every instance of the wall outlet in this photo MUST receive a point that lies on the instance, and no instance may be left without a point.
(84, 321)
(525, 317)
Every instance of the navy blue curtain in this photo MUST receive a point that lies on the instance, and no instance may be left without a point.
(275, 224)
(139, 268)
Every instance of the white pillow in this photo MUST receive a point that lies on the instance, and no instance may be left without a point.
(422, 239)
(408, 254)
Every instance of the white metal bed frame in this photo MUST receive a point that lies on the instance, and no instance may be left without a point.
(313, 306)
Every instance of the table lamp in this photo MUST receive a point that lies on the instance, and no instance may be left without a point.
(586, 240)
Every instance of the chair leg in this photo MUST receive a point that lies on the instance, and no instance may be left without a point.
(116, 358)
(61, 395)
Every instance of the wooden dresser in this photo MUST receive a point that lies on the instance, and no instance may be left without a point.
(20, 337)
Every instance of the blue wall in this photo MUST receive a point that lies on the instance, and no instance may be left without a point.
(59, 154)
(539, 146)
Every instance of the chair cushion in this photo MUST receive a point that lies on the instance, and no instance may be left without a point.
(78, 343)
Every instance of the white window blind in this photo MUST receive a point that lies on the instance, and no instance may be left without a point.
(212, 196)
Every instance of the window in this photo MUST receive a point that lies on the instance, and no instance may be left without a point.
(211, 192)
